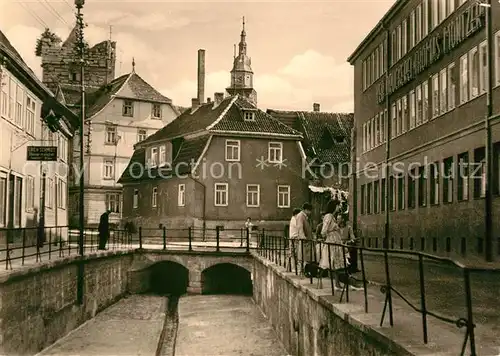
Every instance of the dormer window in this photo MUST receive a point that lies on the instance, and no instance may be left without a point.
(156, 111)
(128, 108)
(249, 116)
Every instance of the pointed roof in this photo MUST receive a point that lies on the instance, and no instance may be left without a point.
(72, 37)
(139, 90)
(60, 95)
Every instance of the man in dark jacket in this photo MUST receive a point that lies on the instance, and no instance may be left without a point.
(104, 230)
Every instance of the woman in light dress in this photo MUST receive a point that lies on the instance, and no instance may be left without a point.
(331, 233)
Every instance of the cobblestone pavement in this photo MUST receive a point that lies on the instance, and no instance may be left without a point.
(444, 290)
(224, 325)
(130, 327)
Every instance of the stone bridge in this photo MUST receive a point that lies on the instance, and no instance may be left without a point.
(189, 271)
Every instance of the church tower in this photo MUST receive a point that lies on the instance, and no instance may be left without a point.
(242, 74)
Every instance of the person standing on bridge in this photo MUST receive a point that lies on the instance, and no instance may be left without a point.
(293, 235)
(305, 235)
(248, 230)
(104, 230)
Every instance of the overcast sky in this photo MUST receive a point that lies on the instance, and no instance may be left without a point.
(298, 49)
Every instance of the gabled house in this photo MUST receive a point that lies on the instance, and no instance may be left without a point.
(118, 115)
(215, 165)
(31, 192)
(327, 147)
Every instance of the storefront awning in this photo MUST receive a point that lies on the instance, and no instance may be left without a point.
(333, 191)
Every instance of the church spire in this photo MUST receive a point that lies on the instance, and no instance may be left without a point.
(243, 43)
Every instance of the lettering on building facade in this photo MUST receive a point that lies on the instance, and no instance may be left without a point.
(463, 26)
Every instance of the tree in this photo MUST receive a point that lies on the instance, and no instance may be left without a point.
(46, 35)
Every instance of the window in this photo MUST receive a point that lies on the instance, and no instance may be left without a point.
(365, 147)
(111, 135)
(12, 98)
(405, 113)
(404, 37)
(451, 86)
(155, 111)
(283, 196)
(154, 197)
(128, 108)
(30, 193)
(478, 173)
(443, 86)
(3, 199)
(418, 104)
(418, 23)
(19, 106)
(363, 199)
(401, 192)
(253, 195)
(497, 59)
(383, 125)
(483, 67)
(434, 13)
(163, 155)
(393, 120)
(181, 195)
(394, 45)
(411, 30)
(221, 194)
(135, 202)
(377, 130)
(451, 7)
(4, 91)
(249, 116)
(473, 73)
(392, 193)
(141, 135)
(399, 116)
(18, 199)
(365, 82)
(434, 181)
(275, 152)
(425, 18)
(425, 101)
(422, 186)
(369, 135)
(399, 44)
(435, 95)
(464, 79)
(412, 109)
(412, 183)
(463, 177)
(381, 61)
(375, 64)
(113, 202)
(62, 147)
(232, 150)
(376, 197)
(382, 195)
(108, 169)
(49, 193)
(442, 10)
(448, 180)
(154, 157)
(61, 193)
(372, 132)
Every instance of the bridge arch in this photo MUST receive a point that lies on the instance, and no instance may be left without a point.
(226, 278)
(168, 277)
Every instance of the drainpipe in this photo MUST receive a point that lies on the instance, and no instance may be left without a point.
(387, 138)
(204, 201)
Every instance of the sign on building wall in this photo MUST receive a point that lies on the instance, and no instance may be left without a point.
(42, 153)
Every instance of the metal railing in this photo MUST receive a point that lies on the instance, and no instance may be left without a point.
(289, 253)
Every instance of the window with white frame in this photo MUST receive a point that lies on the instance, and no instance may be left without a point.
(12, 98)
(232, 150)
(404, 37)
(275, 152)
(128, 108)
(253, 195)
(404, 114)
(4, 94)
(418, 23)
(30, 115)
(163, 155)
(111, 135)
(393, 120)
(425, 101)
(434, 13)
(154, 197)
(483, 67)
(394, 50)
(181, 195)
(452, 86)
(411, 30)
(399, 44)
(435, 95)
(156, 111)
(412, 109)
(443, 89)
(399, 116)
(154, 157)
(425, 18)
(113, 202)
(19, 106)
(283, 196)
(376, 129)
(30, 193)
(141, 135)
(473, 73)
(61, 193)
(365, 147)
(49, 193)
(464, 79)
(62, 147)
(418, 105)
(384, 126)
(221, 194)
(135, 202)
(249, 116)
(109, 166)
(450, 7)
(369, 135)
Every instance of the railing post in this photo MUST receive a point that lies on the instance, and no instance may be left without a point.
(190, 237)
(24, 246)
(217, 238)
(470, 322)
(140, 237)
(248, 239)
(422, 296)
(164, 238)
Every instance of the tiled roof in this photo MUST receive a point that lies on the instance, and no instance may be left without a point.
(226, 117)
(189, 153)
(5, 41)
(327, 136)
(140, 89)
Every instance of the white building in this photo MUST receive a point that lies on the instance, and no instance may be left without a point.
(30, 116)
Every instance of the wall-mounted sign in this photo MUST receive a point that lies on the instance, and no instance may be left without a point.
(42, 153)
(453, 33)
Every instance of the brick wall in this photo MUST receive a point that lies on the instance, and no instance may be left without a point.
(39, 305)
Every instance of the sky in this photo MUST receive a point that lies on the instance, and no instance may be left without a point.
(299, 50)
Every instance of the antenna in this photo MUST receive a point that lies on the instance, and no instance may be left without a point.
(110, 32)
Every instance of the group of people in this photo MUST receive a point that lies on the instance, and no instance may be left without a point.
(322, 254)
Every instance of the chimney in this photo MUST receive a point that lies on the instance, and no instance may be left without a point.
(209, 100)
(316, 107)
(218, 97)
(201, 76)
(194, 104)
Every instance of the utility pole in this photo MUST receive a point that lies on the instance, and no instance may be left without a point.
(81, 54)
(488, 223)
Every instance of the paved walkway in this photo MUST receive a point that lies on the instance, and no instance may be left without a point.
(224, 325)
(130, 327)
